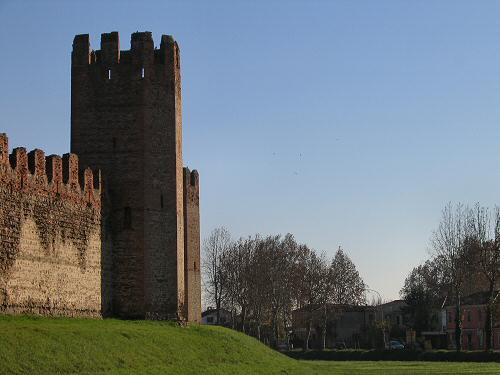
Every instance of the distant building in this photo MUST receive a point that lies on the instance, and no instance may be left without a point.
(473, 322)
(346, 325)
(393, 313)
(209, 317)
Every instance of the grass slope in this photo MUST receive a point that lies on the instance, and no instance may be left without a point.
(30, 345)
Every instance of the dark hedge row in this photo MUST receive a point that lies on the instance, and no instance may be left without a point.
(396, 355)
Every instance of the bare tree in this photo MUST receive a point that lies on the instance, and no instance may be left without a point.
(216, 255)
(340, 285)
(325, 289)
(264, 279)
(311, 288)
(240, 281)
(280, 255)
(274, 272)
(449, 245)
(485, 246)
(259, 291)
(424, 289)
(290, 283)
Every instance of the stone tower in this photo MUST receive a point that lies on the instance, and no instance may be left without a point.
(126, 121)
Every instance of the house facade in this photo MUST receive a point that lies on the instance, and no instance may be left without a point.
(473, 323)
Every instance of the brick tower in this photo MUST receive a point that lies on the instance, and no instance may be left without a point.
(192, 275)
(126, 121)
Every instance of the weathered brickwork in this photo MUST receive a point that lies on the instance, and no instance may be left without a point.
(192, 245)
(50, 234)
(129, 245)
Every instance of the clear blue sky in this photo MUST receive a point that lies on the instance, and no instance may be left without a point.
(343, 122)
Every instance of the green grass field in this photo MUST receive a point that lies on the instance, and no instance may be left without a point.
(76, 346)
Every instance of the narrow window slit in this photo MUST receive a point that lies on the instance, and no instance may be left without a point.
(109, 74)
(142, 72)
(127, 218)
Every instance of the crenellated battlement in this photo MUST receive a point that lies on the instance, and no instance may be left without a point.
(142, 50)
(52, 175)
(191, 178)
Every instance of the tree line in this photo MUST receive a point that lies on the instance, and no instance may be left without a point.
(465, 258)
(261, 280)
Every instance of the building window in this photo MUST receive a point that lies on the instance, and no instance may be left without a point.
(127, 218)
(109, 74)
(480, 315)
(210, 319)
(161, 200)
(469, 318)
(398, 320)
(450, 317)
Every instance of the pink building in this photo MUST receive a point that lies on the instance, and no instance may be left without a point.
(473, 323)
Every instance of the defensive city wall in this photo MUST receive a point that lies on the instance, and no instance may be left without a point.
(50, 231)
(123, 238)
